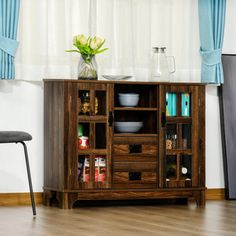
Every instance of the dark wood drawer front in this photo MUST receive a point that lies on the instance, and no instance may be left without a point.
(134, 158)
(135, 139)
(135, 166)
(135, 175)
(135, 148)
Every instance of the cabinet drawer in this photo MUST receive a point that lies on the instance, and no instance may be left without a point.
(135, 175)
(134, 148)
(134, 158)
(135, 166)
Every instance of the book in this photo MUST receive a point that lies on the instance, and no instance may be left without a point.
(102, 169)
(171, 107)
(86, 170)
(185, 104)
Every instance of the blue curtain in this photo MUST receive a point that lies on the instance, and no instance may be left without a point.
(9, 14)
(211, 23)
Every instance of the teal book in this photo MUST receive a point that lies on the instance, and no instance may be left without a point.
(168, 102)
(174, 105)
(171, 100)
(185, 104)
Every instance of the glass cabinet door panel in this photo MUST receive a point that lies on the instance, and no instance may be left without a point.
(171, 104)
(84, 102)
(84, 172)
(186, 167)
(83, 134)
(100, 136)
(185, 104)
(92, 171)
(100, 103)
(100, 168)
(186, 136)
(171, 167)
(171, 136)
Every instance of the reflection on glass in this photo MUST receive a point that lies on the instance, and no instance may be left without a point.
(186, 167)
(171, 104)
(186, 136)
(171, 136)
(171, 167)
(185, 104)
(100, 103)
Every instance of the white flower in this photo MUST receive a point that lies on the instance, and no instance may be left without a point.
(80, 39)
(96, 42)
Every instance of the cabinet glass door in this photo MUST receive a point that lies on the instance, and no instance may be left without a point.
(180, 136)
(93, 150)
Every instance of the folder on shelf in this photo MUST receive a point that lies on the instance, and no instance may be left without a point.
(171, 108)
(185, 104)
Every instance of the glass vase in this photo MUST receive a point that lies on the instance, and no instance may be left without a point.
(87, 68)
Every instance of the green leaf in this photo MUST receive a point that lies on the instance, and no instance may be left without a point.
(101, 50)
(72, 51)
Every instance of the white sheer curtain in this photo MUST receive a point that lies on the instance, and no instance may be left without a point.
(131, 29)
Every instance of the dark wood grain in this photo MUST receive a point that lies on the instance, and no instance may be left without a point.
(130, 173)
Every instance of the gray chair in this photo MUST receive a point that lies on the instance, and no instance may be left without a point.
(20, 137)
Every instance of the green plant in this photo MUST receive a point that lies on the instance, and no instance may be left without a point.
(88, 46)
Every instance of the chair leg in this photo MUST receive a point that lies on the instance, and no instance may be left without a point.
(29, 178)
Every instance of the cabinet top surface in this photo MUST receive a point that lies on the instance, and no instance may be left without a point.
(120, 82)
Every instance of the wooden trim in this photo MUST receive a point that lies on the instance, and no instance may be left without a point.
(215, 194)
(120, 82)
(13, 199)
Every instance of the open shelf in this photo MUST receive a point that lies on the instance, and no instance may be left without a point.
(135, 109)
(148, 94)
(135, 135)
(149, 119)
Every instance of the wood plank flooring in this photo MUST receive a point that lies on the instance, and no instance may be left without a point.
(218, 218)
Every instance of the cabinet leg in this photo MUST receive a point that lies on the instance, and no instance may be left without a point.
(46, 198)
(200, 198)
(63, 200)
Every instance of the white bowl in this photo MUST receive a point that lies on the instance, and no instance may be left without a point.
(128, 99)
(128, 127)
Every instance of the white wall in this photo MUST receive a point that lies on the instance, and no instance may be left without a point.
(21, 106)
(214, 162)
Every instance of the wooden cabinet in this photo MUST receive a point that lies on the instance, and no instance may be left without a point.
(87, 156)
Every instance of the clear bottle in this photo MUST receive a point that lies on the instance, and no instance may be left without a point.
(160, 68)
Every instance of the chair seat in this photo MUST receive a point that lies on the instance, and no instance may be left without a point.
(14, 136)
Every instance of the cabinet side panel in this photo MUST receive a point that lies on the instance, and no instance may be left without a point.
(196, 159)
(202, 135)
(53, 135)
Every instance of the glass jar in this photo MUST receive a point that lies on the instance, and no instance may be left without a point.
(87, 68)
(160, 70)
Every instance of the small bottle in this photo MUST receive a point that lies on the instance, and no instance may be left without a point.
(80, 130)
(174, 141)
(85, 103)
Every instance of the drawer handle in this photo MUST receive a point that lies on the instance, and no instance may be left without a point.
(135, 148)
(134, 176)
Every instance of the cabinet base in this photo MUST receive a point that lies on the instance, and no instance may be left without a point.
(66, 200)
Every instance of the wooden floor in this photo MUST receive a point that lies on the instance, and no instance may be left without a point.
(217, 218)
